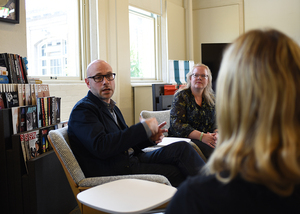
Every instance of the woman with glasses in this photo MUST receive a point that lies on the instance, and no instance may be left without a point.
(193, 110)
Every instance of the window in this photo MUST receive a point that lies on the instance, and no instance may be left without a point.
(143, 44)
(52, 38)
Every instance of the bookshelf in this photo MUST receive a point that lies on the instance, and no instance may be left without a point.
(43, 188)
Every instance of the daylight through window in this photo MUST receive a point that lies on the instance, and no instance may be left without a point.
(143, 44)
(52, 38)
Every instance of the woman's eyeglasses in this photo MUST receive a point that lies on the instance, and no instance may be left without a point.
(200, 75)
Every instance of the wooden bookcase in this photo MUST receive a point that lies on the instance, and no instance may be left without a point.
(44, 189)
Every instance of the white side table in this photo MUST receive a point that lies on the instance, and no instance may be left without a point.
(127, 196)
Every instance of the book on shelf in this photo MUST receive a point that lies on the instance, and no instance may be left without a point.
(23, 110)
(43, 111)
(15, 67)
(52, 112)
(49, 103)
(11, 95)
(27, 95)
(16, 119)
(22, 62)
(22, 141)
(2, 105)
(44, 139)
(36, 91)
(39, 112)
(31, 118)
(33, 96)
(3, 70)
(4, 79)
(23, 69)
(34, 144)
(46, 111)
(32, 80)
(43, 90)
(6, 64)
(57, 109)
(2, 97)
(26, 142)
(20, 94)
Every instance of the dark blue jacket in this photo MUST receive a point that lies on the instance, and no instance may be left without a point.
(98, 143)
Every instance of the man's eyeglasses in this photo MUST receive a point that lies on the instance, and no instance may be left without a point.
(200, 75)
(99, 78)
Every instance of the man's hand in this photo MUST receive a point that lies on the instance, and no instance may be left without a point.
(152, 124)
(159, 135)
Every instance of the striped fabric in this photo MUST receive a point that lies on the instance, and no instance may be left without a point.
(178, 70)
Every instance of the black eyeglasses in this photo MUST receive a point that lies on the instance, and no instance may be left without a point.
(99, 78)
(200, 75)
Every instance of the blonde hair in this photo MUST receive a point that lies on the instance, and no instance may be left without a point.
(208, 92)
(258, 111)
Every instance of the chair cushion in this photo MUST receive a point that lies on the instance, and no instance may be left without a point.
(89, 182)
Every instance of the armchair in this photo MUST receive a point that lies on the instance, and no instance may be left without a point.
(60, 143)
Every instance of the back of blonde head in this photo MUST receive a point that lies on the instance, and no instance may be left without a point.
(258, 111)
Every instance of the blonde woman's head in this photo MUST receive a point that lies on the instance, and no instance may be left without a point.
(258, 111)
(208, 92)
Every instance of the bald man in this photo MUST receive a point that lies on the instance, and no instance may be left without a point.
(104, 145)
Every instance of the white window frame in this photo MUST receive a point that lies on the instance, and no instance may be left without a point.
(158, 51)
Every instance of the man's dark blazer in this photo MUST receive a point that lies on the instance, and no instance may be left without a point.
(98, 143)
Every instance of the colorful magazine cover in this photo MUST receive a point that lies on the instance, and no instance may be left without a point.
(34, 145)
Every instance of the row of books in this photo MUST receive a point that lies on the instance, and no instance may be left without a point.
(45, 113)
(14, 67)
(14, 95)
(35, 143)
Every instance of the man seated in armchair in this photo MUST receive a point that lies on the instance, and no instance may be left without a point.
(104, 145)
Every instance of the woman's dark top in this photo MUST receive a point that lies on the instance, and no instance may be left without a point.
(205, 194)
(186, 115)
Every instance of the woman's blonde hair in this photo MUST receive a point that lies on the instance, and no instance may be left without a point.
(258, 111)
(208, 92)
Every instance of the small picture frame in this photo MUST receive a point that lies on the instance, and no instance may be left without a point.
(9, 11)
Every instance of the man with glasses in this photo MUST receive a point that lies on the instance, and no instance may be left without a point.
(104, 145)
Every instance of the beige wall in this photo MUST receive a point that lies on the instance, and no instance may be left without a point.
(283, 15)
(216, 21)
(13, 36)
(70, 94)
(176, 31)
